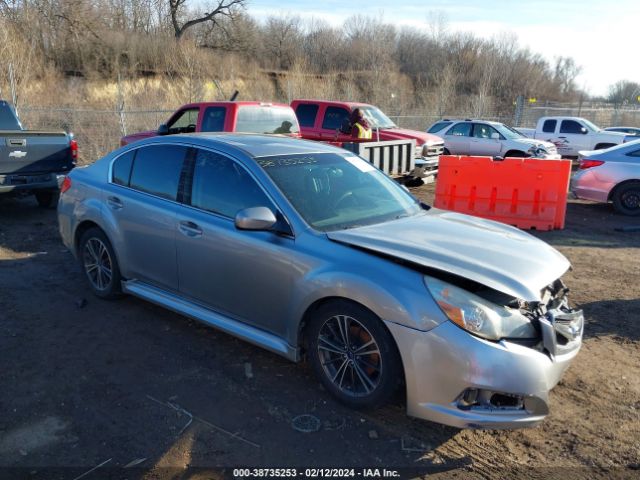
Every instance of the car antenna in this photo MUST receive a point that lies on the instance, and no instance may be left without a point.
(234, 96)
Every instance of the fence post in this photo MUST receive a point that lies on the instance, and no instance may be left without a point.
(121, 114)
(517, 117)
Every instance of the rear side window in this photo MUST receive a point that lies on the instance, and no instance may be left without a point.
(156, 170)
(213, 119)
(462, 129)
(334, 118)
(549, 126)
(266, 119)
(436, 127)
(635, 153)
(306, 113)
(222, 186)
(122, 168)
(570, 126)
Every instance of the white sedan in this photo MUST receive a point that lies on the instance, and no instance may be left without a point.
(485, 138)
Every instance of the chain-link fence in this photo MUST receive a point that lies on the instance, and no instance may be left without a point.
(99, 131)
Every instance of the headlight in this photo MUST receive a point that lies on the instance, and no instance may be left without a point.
(477, 315)
(538, 150)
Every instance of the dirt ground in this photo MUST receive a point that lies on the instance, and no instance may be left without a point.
(86, 383)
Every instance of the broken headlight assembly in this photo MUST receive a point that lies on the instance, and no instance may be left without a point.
(477, 315)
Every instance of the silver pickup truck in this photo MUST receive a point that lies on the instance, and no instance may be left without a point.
(33, 161)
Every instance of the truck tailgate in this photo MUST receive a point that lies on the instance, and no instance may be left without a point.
(26, 152)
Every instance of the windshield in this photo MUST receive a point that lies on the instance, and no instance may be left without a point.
(337, 191)
(266, 119)
(590, 125)
(376, 118)
(508, 132)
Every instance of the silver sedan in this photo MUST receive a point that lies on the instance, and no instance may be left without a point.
(611, 175)
(307, 250)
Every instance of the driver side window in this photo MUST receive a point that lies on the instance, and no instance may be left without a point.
(222, 186)
(571, 126)
(185, 122)
(481, 130)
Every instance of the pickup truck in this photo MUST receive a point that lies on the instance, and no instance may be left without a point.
(230, 116)
(572, 134)
(33, 162)
(322, 120)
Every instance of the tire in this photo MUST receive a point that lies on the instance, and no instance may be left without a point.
(515, 154)
(626, 199)
(359, 380)
(96, 251)
(46, 199)
(602, 146)
(446, 152)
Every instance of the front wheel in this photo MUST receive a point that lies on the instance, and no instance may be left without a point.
(626, 199)
(99, 263)
(353, 355)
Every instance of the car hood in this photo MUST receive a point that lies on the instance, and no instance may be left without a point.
(402, 134)
(533, 141)
(490, 253)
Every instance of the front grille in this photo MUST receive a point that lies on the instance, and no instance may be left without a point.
(432, 150)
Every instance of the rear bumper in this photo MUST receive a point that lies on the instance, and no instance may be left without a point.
(16, 183)
(442, 364)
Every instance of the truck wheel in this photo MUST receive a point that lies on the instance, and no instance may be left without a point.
(626, 199)
(353, 355)
(602, 146)
(99, 263)
(47, 199)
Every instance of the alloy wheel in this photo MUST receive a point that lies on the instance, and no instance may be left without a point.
(97, 264)
(349, 355)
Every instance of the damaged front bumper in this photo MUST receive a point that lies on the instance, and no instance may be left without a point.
(461, 380)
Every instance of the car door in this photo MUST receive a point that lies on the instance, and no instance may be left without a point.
(246, 275)
(333, 120)
(457, 138)
(572, 137)
(141, 200)
(306, 114)
(482, 142)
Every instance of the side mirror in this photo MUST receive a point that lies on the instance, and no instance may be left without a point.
(583, 131)
(495, 136)
(255, 218)
(163, 129)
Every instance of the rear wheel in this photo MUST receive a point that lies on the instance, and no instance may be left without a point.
(602, 146)
(626, 198)
(46, 199)
(99, 263)
(353, 355)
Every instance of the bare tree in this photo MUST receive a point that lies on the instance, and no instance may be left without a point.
(182, 19)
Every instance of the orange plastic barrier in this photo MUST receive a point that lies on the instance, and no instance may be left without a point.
(524, 192)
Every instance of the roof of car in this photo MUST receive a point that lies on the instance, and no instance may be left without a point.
(253, 144)
(490, 122)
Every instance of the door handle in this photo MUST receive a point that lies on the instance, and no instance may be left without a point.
(115, 203)
(190, 229)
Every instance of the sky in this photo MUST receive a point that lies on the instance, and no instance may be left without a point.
(603, 37)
